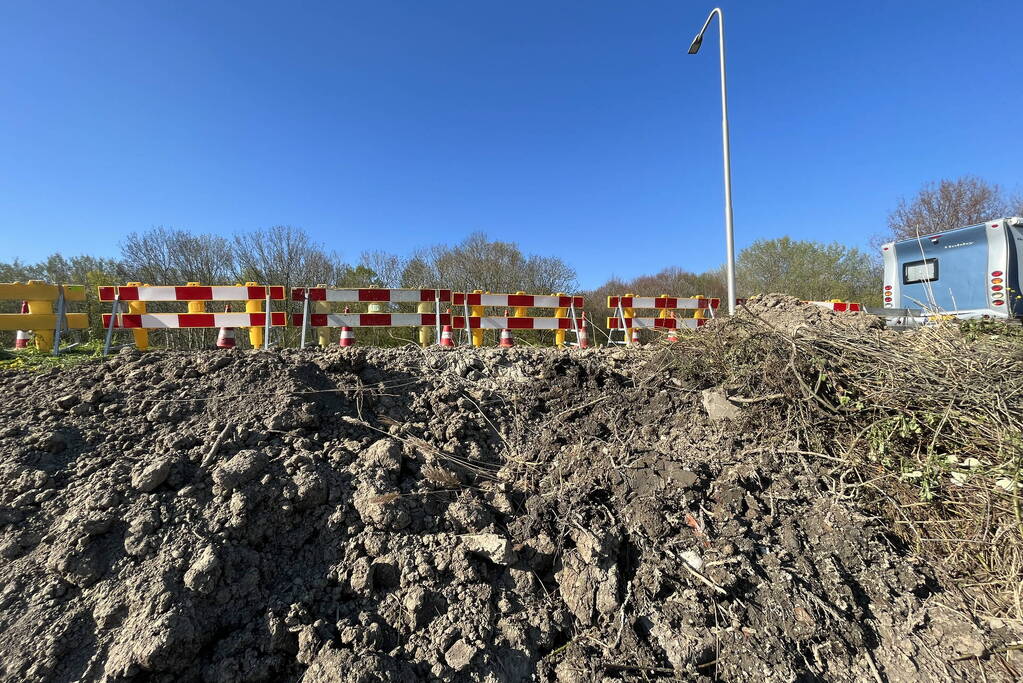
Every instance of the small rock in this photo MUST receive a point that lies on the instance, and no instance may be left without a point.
(243, 467)
(693, 559)
(68, 401)
(202, 576)
(148, 476)
(495, 548)
(460, 655)
(717, 405)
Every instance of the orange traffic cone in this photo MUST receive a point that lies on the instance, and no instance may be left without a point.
(225, 340)
(583, 338)
(347, 336)
(21, 338)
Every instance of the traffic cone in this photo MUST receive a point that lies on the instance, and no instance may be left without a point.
(225, 340)
(445, 337)
(583, 338)
(635, 336)
(347, 336)
(673, 332)
(21, 338)
(507, 341)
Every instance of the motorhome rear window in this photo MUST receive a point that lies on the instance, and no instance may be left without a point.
(920, 271)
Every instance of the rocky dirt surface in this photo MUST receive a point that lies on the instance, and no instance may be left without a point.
(405, 515)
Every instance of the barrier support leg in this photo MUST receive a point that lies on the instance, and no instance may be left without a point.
(138, 308)
(44, 338)
(114, 310)
(424, 330)
(629, 313)
(559, 335)
(477, 312)
(322, 333)
(254, 306)
(701, 313)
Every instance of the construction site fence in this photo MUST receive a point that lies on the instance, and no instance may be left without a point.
(469, 314)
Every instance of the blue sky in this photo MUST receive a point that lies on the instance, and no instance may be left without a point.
(578, 129)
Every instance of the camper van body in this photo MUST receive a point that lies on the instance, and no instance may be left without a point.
(971, 272)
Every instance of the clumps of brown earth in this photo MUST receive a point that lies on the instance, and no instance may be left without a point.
(404, 515)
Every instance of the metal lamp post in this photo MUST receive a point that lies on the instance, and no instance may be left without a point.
(729, 242)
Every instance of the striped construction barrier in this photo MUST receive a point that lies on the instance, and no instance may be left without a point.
(370, 319)
(41, 299)
(186, 321)
(655, 323)
(316, 310)
(516, 300)
(371, 295)
(472, 307)
(668, 318)
(139, 320)
(838, 306)
(191, 293)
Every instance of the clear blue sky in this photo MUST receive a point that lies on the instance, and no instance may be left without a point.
(580, 129)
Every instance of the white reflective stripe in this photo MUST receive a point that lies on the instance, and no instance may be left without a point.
(157, 294)
(502, 300)
(231, 293)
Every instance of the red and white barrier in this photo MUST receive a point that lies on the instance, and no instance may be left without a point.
(371, 295)
(838, 306)
(218, 293)
(516, 300)
(505, 323)
(171, 321)
(370, 319)
(661, 302)
(656, 323)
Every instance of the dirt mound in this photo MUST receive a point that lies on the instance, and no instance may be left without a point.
(789, 315)
(404, 515)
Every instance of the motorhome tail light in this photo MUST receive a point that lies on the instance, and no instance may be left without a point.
(996, 225)
(887, 287)
(996, 273)
(998, 303)
(887, 299)
(996, 288)
(996, 280)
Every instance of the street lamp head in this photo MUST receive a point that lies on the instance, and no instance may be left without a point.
(697, 41)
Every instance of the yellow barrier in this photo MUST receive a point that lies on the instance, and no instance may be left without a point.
(41, 318)
(254, 306)
(559, 335)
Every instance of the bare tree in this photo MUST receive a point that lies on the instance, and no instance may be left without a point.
(285, 255)
(946, 205)
(165, 256)
(489, 265)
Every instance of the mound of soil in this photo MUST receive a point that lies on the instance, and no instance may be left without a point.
(405, 515)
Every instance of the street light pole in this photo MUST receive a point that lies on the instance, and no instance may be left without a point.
(729, 241)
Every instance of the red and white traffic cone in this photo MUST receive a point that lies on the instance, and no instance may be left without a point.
(507, 341)
(347, 336)
(225, 339)
(635, 337)
(583, 338)
(21, 338)
(446, 340)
